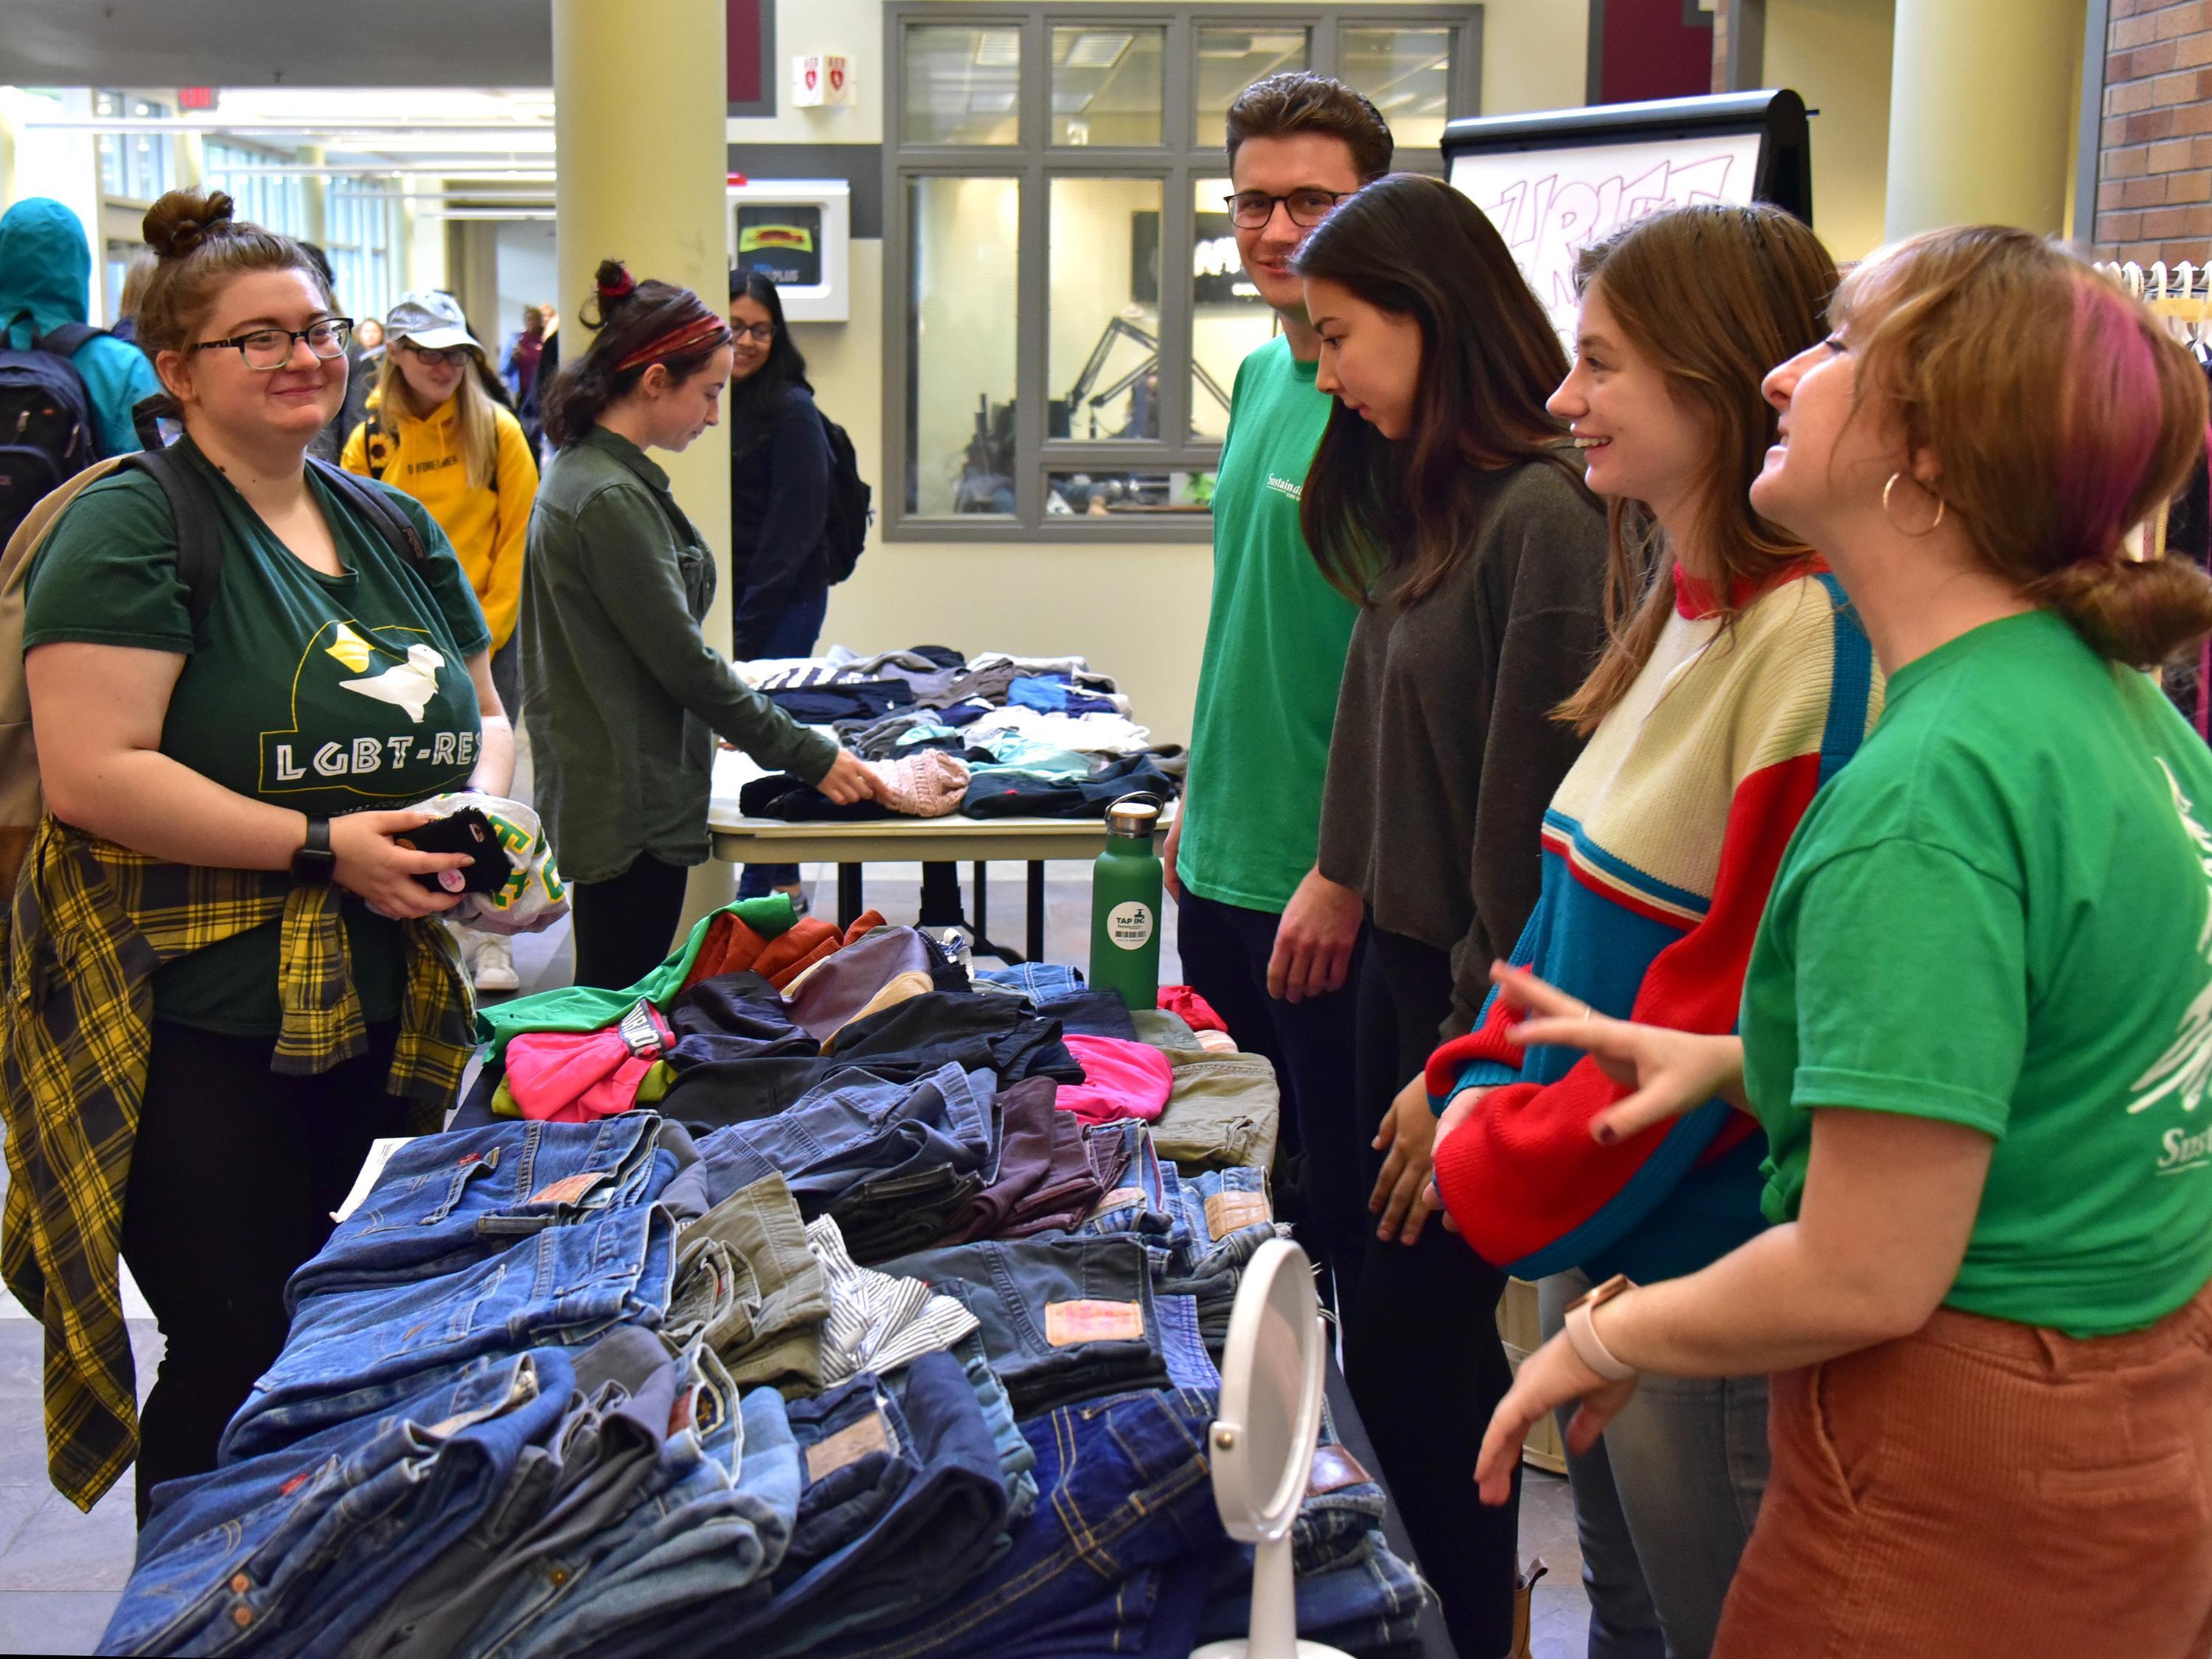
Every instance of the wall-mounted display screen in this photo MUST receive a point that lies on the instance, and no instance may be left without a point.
(783, 242)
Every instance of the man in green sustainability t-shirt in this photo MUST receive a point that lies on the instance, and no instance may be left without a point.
(1264, 937)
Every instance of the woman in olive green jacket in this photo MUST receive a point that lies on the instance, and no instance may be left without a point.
(626, 696)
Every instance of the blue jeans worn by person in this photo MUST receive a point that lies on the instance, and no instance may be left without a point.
(855, 1126)
(357, 1353)
(1063, 1319)
(445, 1201)
(1127, 1495)
(794, 635)
(1225, 950)
(1664, 1503)
(296, 1553)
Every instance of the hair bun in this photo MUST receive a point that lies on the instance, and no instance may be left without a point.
(182, 219)
(2138, 611)
(612, 281)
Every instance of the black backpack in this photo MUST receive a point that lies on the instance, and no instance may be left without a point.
(47, 435)
(851, 505)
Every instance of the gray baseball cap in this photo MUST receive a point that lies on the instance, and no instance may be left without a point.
(430, 318)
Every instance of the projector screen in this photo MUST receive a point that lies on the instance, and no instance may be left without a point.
(1549, 205)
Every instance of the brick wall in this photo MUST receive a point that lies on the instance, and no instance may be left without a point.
(2154, 171)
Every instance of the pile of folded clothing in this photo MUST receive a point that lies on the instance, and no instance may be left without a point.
(857, 1339)
(992, 735)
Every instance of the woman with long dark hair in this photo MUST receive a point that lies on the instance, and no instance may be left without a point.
(778, 501)
(1974, 1025)
(626, 695)
(1444, 503)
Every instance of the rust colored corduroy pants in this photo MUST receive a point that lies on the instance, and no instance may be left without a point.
(1987, 1489)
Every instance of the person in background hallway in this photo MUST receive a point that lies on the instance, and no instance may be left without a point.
(1265, 937)
(46, 280)
(432, 431)
(361, 379)
(1737, 682)
(1974, 1026)
(190, 865)
(779, 502)
(626, 697)
(136, 276)
(1442, 503)
(520, 367)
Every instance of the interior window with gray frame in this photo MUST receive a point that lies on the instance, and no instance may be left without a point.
(1065, 311)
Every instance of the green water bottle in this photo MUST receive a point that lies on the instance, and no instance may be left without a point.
(1125, 905)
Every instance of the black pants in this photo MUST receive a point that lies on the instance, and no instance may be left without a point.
(233, 1176)
(625, 926)
(1422, 1353)
(507, 679)
(1225, 950)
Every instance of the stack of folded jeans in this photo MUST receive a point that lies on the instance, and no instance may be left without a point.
(1063, 1319)
(894, 1356)
(1051, 1174)
(891, 1161)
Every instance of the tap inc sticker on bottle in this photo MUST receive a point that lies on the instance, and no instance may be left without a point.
(1130, 925)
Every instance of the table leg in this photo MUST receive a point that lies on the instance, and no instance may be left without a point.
(1036, 911)
(850, 899)
(981, 942)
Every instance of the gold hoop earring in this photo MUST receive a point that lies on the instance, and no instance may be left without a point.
(1940, 505)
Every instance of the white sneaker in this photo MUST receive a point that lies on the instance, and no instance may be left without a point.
(493, 968)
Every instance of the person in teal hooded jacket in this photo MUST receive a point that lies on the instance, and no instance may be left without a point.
(46, 280)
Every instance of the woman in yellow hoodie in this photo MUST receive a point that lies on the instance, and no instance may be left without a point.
(433, 431)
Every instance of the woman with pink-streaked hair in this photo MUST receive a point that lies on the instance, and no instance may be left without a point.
(1976, 1026)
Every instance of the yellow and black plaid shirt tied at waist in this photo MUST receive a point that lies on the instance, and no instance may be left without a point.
(92, 922)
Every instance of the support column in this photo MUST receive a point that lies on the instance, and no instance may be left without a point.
(1981, 112)
(640, 106)
(315, 194)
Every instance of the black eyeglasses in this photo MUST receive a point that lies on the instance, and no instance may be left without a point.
(758, 333)
(1250, 209)
(268, 348)
(451, 356)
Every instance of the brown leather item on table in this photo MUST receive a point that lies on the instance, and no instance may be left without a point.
(730, 947)
(790, 954)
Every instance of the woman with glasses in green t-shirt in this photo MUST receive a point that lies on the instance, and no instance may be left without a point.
(227, 795)
(1977, 1022)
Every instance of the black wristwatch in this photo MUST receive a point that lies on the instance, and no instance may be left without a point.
(314, 861)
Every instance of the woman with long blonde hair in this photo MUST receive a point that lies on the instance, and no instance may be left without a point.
(433, 431)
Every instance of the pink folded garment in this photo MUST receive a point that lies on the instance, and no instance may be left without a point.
(573, 1077)
(928, 785)
(1120, 1079)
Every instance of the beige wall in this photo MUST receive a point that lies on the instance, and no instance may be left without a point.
(1835, 53)
(1137, 611)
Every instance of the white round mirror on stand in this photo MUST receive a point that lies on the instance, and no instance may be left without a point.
(1262, 1443)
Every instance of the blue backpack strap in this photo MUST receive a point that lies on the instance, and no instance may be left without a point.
(65, 340)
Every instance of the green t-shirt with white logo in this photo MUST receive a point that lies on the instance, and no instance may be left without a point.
(325, 694)
(1275, 644)
(2000, 914)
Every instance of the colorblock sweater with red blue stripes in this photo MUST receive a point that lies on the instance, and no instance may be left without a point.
(1659, 849)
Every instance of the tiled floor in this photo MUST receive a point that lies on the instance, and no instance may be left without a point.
(60, 1572)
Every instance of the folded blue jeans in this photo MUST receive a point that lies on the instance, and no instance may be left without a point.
(944, 1520)
(1017, 1462)
(1370, 1599)
(444, 1201)
(1126, 1492)
(856, 1126)
(295, 1553)
(1063, 1319)
(352, 1354)
(708, 1536)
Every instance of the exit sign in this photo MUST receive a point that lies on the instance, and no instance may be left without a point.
(195, 98)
